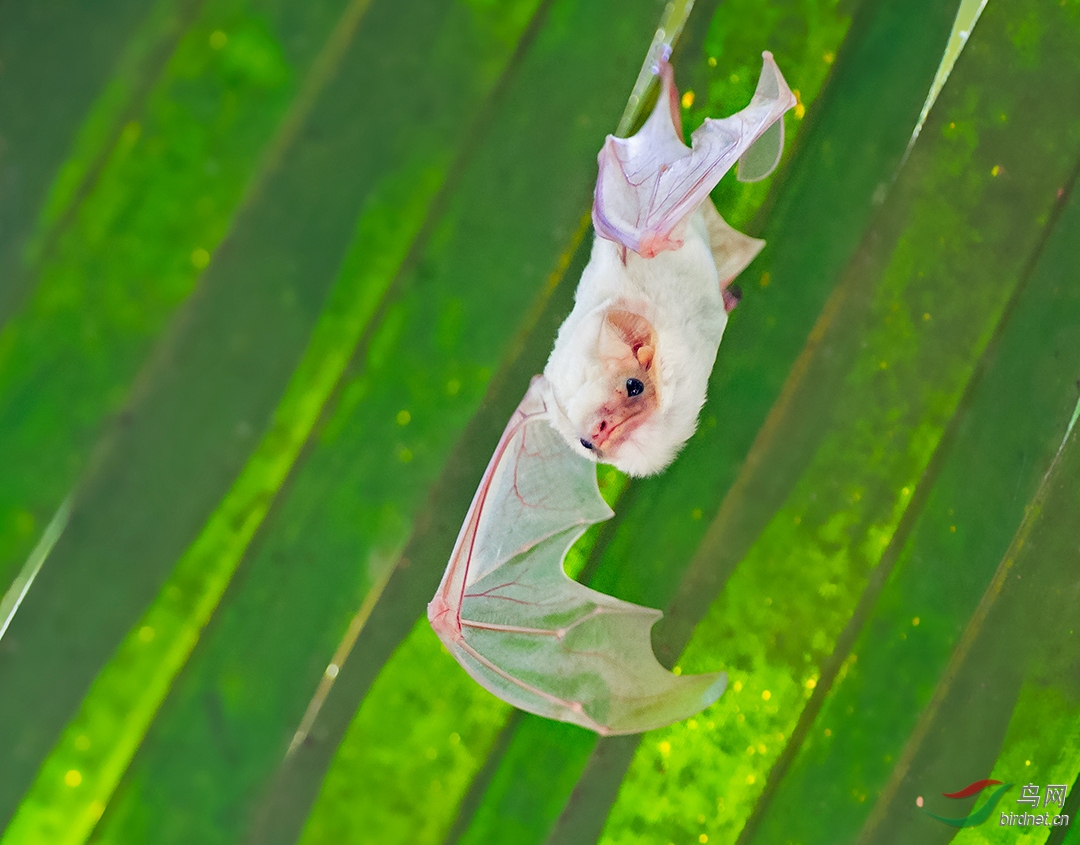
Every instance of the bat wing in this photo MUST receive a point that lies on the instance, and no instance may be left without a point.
(732, 250)
(649, 183)
(525, 630)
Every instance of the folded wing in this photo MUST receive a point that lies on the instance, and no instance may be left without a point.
(649, 183)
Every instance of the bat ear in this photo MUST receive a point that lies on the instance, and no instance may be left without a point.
(649, 183)
(732, 250)
(628, 338)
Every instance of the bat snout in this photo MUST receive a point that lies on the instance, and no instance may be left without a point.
(613, 428)
(600, 435)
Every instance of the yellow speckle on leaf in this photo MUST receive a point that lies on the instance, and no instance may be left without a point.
(452, 387)
(200, 258)
(665, 747)
(218, 39)
(404, 454)
(146, 633)
(676, 670)
(24, 523)
(73, 777)
(695, 513)
(800, 109)
(749, 749)
(765, 695)
(926, 317)
(952, 529)
(811, 683)
(712, 61)
(829, 57)
(915, 622)
(703, 838)
(750, 779)
(687, 99)
(828, 731)
(762, 748)
(765, 279)
(734, 77)
(737, 686)
(995, 170)
(131, 132)
(403, 417)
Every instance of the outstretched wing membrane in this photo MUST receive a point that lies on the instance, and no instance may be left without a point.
(526, 631)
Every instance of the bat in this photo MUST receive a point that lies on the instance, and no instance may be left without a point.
(624, 385)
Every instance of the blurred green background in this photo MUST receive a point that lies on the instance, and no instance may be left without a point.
(274, 274)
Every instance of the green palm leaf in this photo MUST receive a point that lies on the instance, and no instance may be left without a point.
(273, 276)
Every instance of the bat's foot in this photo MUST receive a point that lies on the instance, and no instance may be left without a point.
(732, 297)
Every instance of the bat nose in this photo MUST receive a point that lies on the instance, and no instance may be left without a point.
(586, 444)
(599, 436)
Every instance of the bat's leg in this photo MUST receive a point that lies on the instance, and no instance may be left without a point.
(732, 297)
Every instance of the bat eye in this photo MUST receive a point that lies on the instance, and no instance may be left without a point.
(586, 444)
(634, 387)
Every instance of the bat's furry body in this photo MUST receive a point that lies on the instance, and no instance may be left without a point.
(680, 294)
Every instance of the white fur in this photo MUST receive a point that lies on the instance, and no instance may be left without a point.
(679, 293)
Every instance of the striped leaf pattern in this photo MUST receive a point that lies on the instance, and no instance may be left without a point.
(274, 274)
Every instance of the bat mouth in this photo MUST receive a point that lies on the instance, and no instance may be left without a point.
(606, 437)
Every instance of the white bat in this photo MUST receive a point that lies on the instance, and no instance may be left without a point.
(624, 385)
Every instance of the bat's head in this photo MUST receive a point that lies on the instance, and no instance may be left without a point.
(610, 403)
(624, 392)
